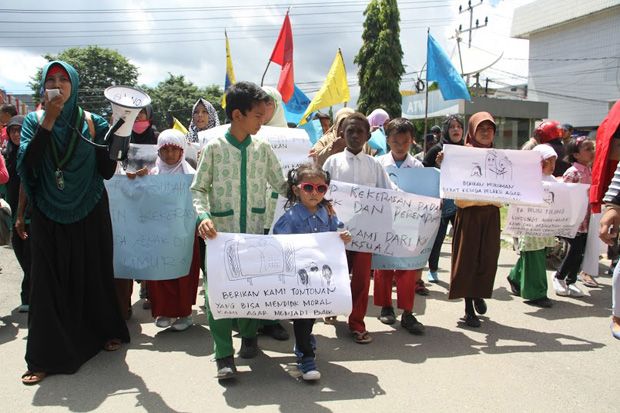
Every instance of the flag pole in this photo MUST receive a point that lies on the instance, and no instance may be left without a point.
(345, 68)
(426, 93)
(264, 73)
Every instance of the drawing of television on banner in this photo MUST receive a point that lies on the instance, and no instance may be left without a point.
(264, 256)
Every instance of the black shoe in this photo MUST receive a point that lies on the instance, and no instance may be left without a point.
(420, 289)
(409, 323)
(275, 331)
(541, 302)
(249, 348)
(387, 315)
(480, 306)
(226, 368)
(514, 287)
(472, 320)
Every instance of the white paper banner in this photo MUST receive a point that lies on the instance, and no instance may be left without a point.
(594, 247)
(290, 145)
(383, 221)
(277, 276)
(563, 211)
(421, 181)
(142, 155)
(495, 175)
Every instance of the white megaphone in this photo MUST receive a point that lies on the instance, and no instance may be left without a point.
(127, 102)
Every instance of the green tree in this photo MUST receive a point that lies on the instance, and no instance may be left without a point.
(98, 69)
(380, 59)
(176, 96)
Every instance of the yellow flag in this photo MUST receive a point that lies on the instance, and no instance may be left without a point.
(178, 126)
(335, 89)
(230, 73)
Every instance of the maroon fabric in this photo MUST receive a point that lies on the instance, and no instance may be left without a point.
(405, 288)
(174, 298)
(359, 267)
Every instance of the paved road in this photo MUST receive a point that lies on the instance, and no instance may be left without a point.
(522, 359)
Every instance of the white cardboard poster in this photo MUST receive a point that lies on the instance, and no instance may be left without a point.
(564, 209)
(290, 145)
(277, 276)
(143, 155)
(422, 181)
(594, 247)
(495, 175)
(383, 221)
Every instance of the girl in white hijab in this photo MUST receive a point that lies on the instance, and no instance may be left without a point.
(172, 300)
(171, 154)
(275, 112)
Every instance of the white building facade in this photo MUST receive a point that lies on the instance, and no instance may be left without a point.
(574, 57)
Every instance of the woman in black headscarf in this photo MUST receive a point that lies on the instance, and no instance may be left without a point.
(144, 132)
(73, 313)
(451, 134)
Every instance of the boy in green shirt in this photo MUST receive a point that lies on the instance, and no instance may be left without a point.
(229, 195)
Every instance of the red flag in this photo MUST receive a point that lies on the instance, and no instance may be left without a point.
(283, 55)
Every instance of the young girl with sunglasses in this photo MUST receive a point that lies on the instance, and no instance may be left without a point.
(307, 211)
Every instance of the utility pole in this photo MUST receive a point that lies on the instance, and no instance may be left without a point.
(470, 9)
(460, 30)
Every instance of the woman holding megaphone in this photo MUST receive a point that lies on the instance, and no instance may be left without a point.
(73, 309)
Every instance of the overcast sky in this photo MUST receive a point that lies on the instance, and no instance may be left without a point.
(187, 37)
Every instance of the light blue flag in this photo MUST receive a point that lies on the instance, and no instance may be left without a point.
(419, 181)
(154, 226)
(439, 69)
(314, 130)
(296, 106)
(377, 142)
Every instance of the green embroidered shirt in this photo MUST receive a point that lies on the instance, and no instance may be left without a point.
(231, 180)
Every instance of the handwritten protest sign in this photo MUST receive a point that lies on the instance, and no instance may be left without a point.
(383, 221)
(277, 276)
(564, 209)
(290, 145)
(420, 181)
(496, 175)
(153, 223)
(144, 156)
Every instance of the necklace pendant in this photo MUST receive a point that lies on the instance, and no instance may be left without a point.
(60, 179)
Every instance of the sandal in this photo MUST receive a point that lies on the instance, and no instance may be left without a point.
(29, 378)
(588, 280)
(112, 345)
(362, 337)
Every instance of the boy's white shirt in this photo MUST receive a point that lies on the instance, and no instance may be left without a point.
(358, 169)
(409, 162)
